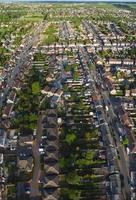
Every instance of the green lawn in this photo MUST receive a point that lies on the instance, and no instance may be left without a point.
(125, 141)
(70, 138)
(50, 35)
(36, 88)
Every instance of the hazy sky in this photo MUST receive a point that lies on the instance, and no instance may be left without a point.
(68, 0)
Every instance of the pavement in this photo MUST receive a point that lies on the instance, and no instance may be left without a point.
(23, 58)
(115, 125)
(37, 168)
(111, 124)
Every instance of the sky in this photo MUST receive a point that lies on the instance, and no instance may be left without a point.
(67, 0)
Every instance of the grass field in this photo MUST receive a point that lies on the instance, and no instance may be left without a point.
(36, 88)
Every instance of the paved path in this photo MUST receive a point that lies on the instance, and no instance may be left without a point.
(36, 171)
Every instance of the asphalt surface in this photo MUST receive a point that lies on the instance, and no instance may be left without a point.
(110, 123)
(115, 126)
(36, 154)
(23, 59)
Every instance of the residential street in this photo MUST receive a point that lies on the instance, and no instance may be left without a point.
(67, 101)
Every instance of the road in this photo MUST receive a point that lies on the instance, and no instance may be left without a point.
(23, 59)
(115, 125)
(36, 154)
(110, 122)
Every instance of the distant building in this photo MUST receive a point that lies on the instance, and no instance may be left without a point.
(1, 158)
(25, 164)
(2, 138)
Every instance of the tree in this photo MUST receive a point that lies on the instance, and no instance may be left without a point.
(70, 194)
(73, 178)
(70, 138)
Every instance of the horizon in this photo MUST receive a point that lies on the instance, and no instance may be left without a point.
(63, 1)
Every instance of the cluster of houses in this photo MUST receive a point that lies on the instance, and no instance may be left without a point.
(68, 70)
(51, 168)
(71, 70)
(120, 78)
(86, 114)
(66, 32)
